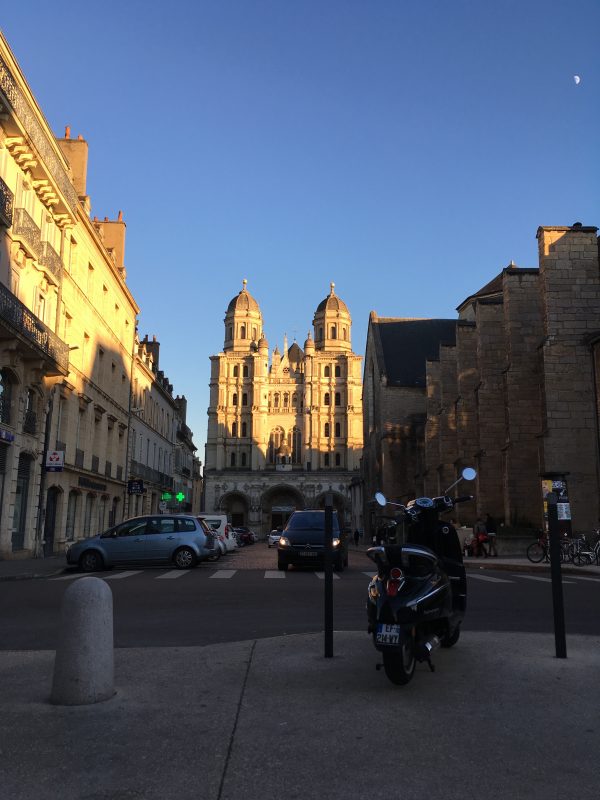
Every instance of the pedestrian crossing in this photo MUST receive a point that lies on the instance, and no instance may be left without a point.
(273, 574)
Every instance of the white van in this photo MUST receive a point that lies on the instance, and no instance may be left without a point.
(219, 524)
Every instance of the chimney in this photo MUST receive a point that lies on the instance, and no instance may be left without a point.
(114, 238)
(76, 153)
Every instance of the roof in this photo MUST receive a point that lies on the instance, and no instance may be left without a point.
(295, 353)
(243, 302)
(405, 345)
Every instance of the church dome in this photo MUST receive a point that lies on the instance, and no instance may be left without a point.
(333, 303)
(243, 302)
(332, 324)
(243, 322)
(309, 344)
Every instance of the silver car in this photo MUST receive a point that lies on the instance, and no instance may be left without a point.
(178, 539)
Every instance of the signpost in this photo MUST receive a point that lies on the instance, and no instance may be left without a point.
(555, 571)
(328, 575)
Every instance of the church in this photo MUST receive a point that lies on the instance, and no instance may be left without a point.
(284, 428)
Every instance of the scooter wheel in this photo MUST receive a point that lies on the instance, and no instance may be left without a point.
(450, 641)
(400, 666)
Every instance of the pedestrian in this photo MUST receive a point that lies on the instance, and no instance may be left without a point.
(479, 538)
(356, 537)
(490, 527)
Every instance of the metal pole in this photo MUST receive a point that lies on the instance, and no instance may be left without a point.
(557, 590)
(328, 575)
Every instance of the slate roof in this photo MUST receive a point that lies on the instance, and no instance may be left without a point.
(405, 345)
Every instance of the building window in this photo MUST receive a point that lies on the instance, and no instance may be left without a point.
(338, 398)
(296, 445)
(338, 372)
(234, 399)
(276, 400)
(295, 400)
(234, 429)
(235, 372)
(325, 372)
(232, 460)
(334, 332)
(338, 459)
(286, 399)
(243, 332)
(326, 460)
(326, 399)
(320, 333)
(245, 372)
(337, 429)
(244, 427)
(275, 440)
(244, 399)
(326, 431)
(230, 332)
(243, 459)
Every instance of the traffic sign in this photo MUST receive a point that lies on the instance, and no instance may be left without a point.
(55, 460)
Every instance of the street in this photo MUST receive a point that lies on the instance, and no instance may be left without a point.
(243, 596)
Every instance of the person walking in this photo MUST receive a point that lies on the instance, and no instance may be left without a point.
(479, 538)
(490, 527)
(356, 537)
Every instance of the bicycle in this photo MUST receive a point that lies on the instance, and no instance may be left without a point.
(540, 549)
(586, 555)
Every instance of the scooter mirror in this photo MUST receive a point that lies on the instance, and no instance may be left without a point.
(469, 474)
(380, 499)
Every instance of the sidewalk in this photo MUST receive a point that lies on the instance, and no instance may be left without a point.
(273, 718)
(22, 568)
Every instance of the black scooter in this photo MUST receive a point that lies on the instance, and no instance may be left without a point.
(418, 599)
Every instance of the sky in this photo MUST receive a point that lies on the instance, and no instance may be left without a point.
(406, 151)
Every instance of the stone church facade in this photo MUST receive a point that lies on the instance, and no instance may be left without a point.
(284, 428)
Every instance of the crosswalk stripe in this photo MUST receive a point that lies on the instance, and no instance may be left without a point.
(274, 573)
(224, 573)
(68, 577)
(489, 578)
(117, 575)
(321, 576)
(536, 578)
(584, 578)
(171, 574)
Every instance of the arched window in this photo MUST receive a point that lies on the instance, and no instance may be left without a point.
(244, 426)
(232, 460)
(337, 429)
(338, 372)
(243, 459)
(338, 398)
(275, 440)
(234, 429)
(325, 372)
(345, 334)
(230, 332)
(243, 332)
(286, 399)
(326, 460)
(296, 446)
(338, 459)
(245, 371)
(334, 331)
(234, 399)
(326, 431)
(276, 400)
(294, 399)
(6, 391)
(326, 399)
(244, 399)
(236, 371)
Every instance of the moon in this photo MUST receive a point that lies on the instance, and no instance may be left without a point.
(577, 79)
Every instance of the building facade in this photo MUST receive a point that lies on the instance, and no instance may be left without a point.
(68, 345)
(284, 429)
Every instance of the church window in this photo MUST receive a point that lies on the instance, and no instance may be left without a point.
(345, 334)
(236, 372)
(275, 440)
(286, 399)
(254, 333)
(338, 429)
(234, 429)
(296, 445)
(244, 399)
(276, 400)
(232, 461)
(326, 431)
(326, 399)
(334, 331)
(230, 332)
(243, 459)
(320, 333)
(244, 428)
(338, 398)
(294, 399)
(243, 332)
(338, 459)
(234, 399)
(245, 372)
(326, 372)
(326, 460)
(338, 372)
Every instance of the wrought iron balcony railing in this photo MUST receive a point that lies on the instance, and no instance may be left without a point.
(51, 260)
(20, 318)
(6, 204)
(24, 226)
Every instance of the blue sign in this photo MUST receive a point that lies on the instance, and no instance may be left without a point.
(6, 436)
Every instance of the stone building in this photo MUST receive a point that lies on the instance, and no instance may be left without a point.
(516, 395)
(67, 337)
(282, 430)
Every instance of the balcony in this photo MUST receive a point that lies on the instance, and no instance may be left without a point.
(51, 260)
(6, 205)
(22, 322)
(25, 227)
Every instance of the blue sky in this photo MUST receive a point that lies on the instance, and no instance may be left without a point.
(407, 151)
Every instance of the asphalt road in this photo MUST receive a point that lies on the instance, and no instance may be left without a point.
(244, 597)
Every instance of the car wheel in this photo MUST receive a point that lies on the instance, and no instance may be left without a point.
(90, 561)
(184, 558)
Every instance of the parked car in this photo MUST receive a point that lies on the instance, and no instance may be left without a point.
(179, 539)
(302, 541)
(273, 537)
(245, 535)
(218, 523)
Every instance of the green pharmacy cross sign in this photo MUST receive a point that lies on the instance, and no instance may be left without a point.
(180, 496)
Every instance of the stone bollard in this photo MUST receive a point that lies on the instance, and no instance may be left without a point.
(84, 664)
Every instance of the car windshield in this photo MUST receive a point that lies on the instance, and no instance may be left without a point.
(311, 521)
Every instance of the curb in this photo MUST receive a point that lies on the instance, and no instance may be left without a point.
(30, 575)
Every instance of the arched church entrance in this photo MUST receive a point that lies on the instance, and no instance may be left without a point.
(278, 505)
(236, 506)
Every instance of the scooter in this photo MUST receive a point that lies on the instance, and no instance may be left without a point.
(418, 599)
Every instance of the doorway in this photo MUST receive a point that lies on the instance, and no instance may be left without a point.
(50, 522)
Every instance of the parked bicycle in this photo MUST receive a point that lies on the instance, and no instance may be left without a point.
(587, 555)
(540, 549)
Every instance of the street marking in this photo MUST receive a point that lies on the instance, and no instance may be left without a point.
(274, 573)
(370, 574)
(489, 578)
(536, 578)
(172, 573)
(321, 576)
(224, 573)
(69, 577)
(118, 575)
(584, 578)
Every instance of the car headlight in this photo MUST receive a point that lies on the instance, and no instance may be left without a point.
(284, 541)
(336, 542)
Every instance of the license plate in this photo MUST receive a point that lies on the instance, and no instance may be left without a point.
(388, 634)
(308, 553)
